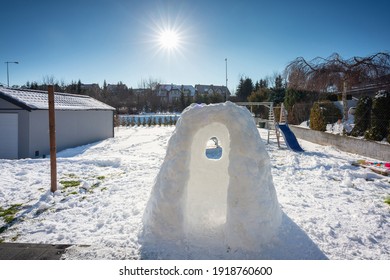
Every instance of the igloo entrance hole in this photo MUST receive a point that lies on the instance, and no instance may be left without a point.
(213, 149)
(206, 198)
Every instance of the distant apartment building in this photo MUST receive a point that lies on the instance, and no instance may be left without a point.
(117, 88)
(212, 89)
(93, 87)
(170, 93)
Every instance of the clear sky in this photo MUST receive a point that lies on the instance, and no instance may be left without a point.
(120, 40)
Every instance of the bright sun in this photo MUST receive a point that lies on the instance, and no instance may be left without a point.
(169, 39)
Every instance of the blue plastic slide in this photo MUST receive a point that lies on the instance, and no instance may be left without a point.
(289, 138)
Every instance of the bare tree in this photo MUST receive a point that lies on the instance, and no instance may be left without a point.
(150, 83)
(322, 74)
(49, 80)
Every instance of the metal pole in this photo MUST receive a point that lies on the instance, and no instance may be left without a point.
(7, 75)
(8, 62)
(52, 132)
(226, 90)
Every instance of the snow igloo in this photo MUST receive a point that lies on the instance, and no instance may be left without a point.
(225, 200)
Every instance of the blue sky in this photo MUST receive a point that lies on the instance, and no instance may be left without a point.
(117, 40)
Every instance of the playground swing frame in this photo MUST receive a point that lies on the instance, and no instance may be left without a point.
(271, 119)
(280, 127)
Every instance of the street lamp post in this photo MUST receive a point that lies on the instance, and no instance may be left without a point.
(8, 62)
(226, 90)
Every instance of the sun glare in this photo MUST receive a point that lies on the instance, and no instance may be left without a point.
(169, 39)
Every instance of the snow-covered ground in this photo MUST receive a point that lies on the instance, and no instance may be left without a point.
(331, 209)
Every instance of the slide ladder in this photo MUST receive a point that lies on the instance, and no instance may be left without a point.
(272, 126)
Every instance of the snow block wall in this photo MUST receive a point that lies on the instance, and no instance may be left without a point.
(228, 202)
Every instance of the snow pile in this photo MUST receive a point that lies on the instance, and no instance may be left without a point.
(336, 128)
(340, 127)
(305, 124)
(331, 208)
(200, 203)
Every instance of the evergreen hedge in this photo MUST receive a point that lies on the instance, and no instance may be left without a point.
(380, 117)
(317, 119)
(323, 113)
(388, 135)
(362, 116)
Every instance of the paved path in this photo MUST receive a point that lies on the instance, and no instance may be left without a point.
(28, 251)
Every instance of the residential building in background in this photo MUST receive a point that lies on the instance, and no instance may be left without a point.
(170, 93)
(212, 89)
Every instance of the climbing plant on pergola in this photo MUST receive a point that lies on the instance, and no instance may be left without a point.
(322, 74)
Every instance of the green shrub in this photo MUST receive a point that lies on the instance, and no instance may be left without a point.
(331, 112)
(380, 117)
(299, 113)
(293, 96)
(388, 135)
(317, 119)
(323, 113)
(298, 104)
(362, 116)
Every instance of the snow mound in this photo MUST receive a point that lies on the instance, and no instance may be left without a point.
(199, 202)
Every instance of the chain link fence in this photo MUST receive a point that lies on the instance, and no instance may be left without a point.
(145, 120)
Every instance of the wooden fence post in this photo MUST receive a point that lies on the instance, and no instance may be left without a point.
(52, 132)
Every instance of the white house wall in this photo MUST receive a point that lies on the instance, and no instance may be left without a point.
(8, 135)
(73, 128)
(24, 131)
(5, 105)
(23, 127)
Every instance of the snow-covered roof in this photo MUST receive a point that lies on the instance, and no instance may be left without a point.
(173, 87)
(38, 100)
(209, 89)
